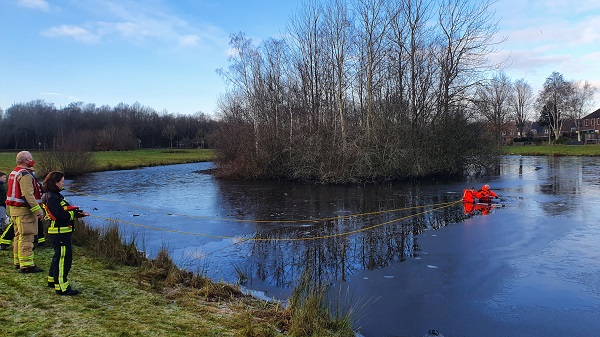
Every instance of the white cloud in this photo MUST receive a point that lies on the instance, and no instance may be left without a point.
(78, 33)
(34, 4)
(549, 35)
(189, 40)
(138, 22)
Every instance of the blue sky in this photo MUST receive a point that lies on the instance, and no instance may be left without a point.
(163, 54)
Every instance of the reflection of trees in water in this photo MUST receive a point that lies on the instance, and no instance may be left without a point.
(565, 177)
(278, 256)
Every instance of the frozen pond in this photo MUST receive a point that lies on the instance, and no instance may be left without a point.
(406, 256)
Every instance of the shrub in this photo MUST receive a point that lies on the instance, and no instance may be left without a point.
(70, 156)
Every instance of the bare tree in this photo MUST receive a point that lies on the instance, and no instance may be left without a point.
(492, 101)
(170, 132)
(467, 29)
(521, 101)
(245, 75)
(339, 28)
(554, 102)
(416, 14)
(581, 101)
(307, 31)
(372, 28)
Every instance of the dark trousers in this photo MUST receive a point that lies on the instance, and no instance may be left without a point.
(61, 260)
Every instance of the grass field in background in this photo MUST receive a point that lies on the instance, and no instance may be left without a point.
(119, 160)
(553, 150)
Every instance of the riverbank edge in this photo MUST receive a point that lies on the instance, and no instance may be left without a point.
(123, 293)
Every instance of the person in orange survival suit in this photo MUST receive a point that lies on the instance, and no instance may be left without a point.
(485, 195)
(469, 200)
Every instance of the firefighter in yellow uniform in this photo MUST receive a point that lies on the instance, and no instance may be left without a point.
(23, 199)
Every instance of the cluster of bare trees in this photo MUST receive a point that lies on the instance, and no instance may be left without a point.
(359, 90)
(499, 102)
(502, 102)
(562, 100)
(40, 125)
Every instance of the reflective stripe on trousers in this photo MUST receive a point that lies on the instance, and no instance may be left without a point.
(26, 228)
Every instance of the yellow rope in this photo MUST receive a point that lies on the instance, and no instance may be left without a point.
(270, 221)
(443, 205)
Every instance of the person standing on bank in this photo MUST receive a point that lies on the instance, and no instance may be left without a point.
(23, 199)
(62, 220)
(5, 225)
(7, 236)
(2, 198)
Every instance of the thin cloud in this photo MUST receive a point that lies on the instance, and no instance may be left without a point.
(34, 4)
(139, 22)
(77, 33)
(527, 61)
(189, 40)
(553, 43)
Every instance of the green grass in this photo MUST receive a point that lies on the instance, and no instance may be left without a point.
(7, 161)
(111, 160)
(121, 160)
(553, 150)
(125, 294)
(112, 303)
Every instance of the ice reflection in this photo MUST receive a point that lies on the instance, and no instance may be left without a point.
(337, 248)
(237, 231)
(265, 233)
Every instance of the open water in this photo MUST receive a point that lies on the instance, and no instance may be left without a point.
(405, 258)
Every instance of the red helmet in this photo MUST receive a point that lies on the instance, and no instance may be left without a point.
(485, 187)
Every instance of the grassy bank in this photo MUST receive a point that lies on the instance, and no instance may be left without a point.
(125, 294)
(120, 160)
(553, 150)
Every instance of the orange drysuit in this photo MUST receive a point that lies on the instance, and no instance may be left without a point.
(486, 194)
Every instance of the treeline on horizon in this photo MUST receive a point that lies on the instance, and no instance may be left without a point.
(39, 125)
(362, 90)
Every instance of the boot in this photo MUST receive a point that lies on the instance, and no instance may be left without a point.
(69, 292)
(32, 269)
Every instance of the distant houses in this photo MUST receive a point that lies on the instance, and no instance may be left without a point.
(533, 132)
(590, 127)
